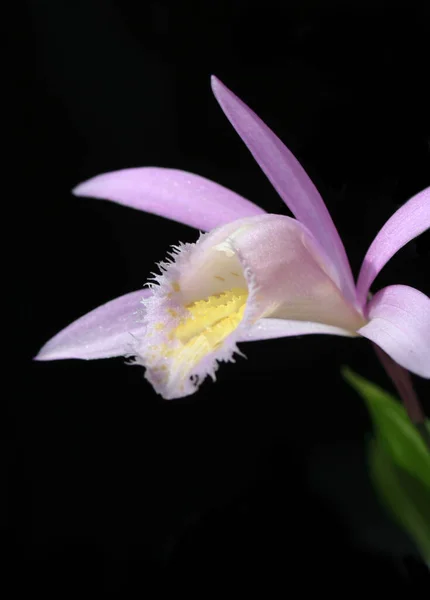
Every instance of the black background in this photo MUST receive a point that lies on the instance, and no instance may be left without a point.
(259, 479)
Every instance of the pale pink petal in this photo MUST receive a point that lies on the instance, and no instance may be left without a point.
(412, 219)
(266, 329)
(112, 329)
(400, 324)
(176, 195)
(293, 278)
(289, 179)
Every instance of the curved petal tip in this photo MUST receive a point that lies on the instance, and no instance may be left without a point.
(400, 325)
(172, 194)
(109, 330)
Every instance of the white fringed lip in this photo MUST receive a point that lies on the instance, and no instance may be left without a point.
(272, 257)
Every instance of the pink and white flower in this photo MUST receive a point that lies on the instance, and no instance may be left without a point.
(253, 276)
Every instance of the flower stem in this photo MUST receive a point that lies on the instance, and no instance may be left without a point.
(403, 383)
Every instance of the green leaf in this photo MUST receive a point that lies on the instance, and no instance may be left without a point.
(393, 428)
(405, 497)
(399, 461)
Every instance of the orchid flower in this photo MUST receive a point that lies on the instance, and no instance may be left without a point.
(252, 276)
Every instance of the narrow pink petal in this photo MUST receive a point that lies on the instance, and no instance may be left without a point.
(266, 329)
(109, 330)
(400, 324)
(412, 219)
(289, 179)
(176, 195)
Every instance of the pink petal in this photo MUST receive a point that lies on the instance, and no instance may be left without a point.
(266, 329)
(176, 195)
(289, 179)
(412, 219)
(109, 330)
(400, 325)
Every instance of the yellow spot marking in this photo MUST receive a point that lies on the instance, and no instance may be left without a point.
(233, 273)
(209, 322)
(219, 277)
(212, 320)
(176, 287)
(172, 312)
